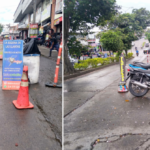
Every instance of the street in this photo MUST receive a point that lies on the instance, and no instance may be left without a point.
(38, 128)
(98, 117)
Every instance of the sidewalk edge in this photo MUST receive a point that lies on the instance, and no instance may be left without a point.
(90, 70)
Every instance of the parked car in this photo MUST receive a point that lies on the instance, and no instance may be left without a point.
(146, 44)
(146, 50)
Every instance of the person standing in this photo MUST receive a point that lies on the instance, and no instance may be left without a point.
(137, 52)
(53, 42)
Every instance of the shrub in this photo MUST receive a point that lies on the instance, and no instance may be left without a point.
(129, 55)
(81, 66)
(106, 61)
(143, 44)
(94, 62)
(100, 61)
(117, 58)
(89, 60)
(112, 59)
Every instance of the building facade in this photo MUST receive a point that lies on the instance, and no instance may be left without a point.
(32, 15)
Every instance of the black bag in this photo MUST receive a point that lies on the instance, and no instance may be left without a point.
(31, 48)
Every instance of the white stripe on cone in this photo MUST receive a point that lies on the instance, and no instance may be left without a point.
(24, 84)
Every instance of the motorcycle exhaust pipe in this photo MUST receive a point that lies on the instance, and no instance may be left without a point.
(139, 84)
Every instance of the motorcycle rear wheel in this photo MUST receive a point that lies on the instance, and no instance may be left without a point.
(137, 90)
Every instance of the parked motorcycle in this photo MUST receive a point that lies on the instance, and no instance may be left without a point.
(40, 39)
(139, 75)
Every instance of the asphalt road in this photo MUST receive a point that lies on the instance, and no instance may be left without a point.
(95, 111)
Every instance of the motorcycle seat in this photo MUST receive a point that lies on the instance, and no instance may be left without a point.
(143, 71)
(145, 66)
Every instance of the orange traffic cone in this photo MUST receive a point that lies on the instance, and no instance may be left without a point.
(54, 84)
(22, 101)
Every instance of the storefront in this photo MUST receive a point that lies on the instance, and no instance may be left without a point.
(23, 28)
(58, 23)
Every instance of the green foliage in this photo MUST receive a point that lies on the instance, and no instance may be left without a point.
(100, 61)
(143, 44)
(129, 55)
(130, 26)
(142, 17)
(75, 47)
(81, 66)
(86, 11)
(148, 36)
(77, 15)
(106, 61)
(95, 62)
(112, 40)
(112, 59)
(1, 28)
(117, 58)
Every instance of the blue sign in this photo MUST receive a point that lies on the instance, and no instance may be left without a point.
(12, 62)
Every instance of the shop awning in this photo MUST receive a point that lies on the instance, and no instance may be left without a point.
(23, 26)
(46, 24)
(57, 21)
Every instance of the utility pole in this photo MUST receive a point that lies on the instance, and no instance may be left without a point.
(34, 11)
(53, 15)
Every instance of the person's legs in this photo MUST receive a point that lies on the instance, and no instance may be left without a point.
(57, 47)
(51, 51)
(54, 47)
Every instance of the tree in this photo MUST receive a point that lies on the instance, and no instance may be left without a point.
(78, 13)
(75, 47)
(142, 16)
(112, 40)
(148, 35)
(1, 28)
(128, 26)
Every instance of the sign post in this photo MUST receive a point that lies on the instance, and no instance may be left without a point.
(122, 85)
(12, 64)
(33, 32)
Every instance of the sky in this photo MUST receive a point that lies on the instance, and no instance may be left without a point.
(135, 4)
(7, 10)
(8, 7)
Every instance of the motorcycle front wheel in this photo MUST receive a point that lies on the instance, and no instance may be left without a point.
(137, 90)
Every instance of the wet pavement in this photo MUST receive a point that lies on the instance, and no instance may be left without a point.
(45, 52)
(49, 100)
(98, 117)
(32, 129)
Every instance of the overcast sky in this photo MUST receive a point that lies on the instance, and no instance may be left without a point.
(7, 10)
(8, 7)
(127, 4)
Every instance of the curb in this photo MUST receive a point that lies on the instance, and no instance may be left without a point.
(90, 70)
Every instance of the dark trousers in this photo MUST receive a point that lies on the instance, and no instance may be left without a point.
(55, 47)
